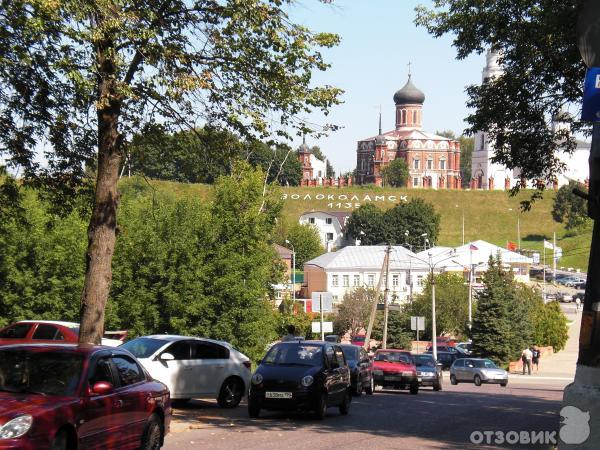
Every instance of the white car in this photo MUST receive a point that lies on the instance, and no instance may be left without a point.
(194, 367)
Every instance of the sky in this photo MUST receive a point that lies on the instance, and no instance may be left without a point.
(378, 40)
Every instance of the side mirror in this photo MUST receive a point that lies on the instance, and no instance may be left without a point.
(102, 388)
(439, 364)
(166, 357)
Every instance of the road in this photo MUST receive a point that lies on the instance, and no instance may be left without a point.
(429, 420)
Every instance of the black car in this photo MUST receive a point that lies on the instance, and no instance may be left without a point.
(301, 376)
(361, 369)
(428, 371)
(447, 358)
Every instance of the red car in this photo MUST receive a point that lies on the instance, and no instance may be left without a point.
(359, 340)
(395, 369)
(47, 331)
(55, 396)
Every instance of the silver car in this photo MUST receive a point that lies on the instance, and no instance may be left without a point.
(478, 371)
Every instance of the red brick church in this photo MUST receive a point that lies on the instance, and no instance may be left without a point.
(433, 161)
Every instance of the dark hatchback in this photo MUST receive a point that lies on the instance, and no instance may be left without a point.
(301, 376)
(428, 371)
(87, 397)
(446, 359)
(361, 369)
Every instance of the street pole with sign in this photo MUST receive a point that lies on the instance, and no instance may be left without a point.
(584, 392)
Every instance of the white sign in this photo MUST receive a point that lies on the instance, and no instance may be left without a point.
(536, 258)
(326, 298)
(327, 327)
(417, 323)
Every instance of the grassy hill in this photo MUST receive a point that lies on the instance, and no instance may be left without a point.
(491, 216)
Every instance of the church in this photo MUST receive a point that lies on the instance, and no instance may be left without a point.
(433, 161)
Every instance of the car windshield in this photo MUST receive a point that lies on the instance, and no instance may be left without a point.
(484, 364)
(143, 347)
(44, 373)
(393, 357)
(351, 353)
(424, 361)
(295, 354)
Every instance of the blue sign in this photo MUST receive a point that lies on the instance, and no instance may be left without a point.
(591, 96)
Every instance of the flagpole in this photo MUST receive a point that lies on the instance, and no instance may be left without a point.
(544, 285)
(554, 259)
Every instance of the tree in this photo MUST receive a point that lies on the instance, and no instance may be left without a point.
(396, 173)
(452, 305)
(569, 208)
(95, 73)
(416, 216)
(366, 224)
(279, 162)
(501, 325)
(551, 327)
(542, 72)
(353, 313)
(306, 242)
(467, 145)
(399, 334)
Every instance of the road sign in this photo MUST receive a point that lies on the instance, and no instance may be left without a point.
(325, 297)
(590, 111)
(327, 327)
(391, 307)
(417, 323)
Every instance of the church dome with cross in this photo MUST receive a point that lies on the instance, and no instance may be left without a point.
(409, 94)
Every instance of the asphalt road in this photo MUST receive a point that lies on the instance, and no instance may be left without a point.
(432, 420)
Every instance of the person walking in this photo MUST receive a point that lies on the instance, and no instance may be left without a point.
(526, 357)
(535, 358)
(291, 329)
(577, 304)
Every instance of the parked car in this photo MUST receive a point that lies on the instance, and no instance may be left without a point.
(478, 371)
(565, 298)
(429, 371)
(446, 359)
(79, 396)
(395, 369)
(446, 348)
(194, 367)
(359, 340)
(331, 338)
(574, 281)
(361, 369)
(465, 347)
(301, 376)
(45, 331)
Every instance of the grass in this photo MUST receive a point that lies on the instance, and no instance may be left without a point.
(490, 216)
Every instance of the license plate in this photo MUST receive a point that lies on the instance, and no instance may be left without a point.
(278, 395)
(392, 378)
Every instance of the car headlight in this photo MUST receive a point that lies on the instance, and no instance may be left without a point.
(407, 374)
(16, 427)
(257, 378)
(307, 381)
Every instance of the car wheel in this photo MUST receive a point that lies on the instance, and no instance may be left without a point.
(60, 441)
(178, 402)
(321, 407)
(504, 384)
(414, 388)
(345, 406)
(477, 380)
(371, 388)
(153, 434)
(231, 393)
(359, 388)
(253, 410)
(453, 379)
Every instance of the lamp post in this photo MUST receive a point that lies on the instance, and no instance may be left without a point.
(463, 223)
(425, 240)
(293, 277)
(518, 228)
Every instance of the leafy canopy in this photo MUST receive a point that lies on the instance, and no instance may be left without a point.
(569, 208)
(396, 173)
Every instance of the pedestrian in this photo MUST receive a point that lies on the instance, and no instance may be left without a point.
(291, 329)
(577, 304)
(535, 357)
(526, 357)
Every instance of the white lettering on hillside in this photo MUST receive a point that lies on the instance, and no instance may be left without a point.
(346, 201)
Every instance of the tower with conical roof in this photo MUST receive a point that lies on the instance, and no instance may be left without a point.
(409, 106)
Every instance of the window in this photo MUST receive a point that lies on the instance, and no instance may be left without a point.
(129, 372)
(420, 280)
(46, 332)
(395, 280)
(17, 331)
(442, 164)
(416, 163)
(414, 116)
(329, 237)
(334, 298)
(331, 358)
(208, 350)
(181, 350)
(430, 164)
(356, 281)
(101, 372)
(415, 182)
(328, 220)
(339, 355)
(311, 220)
(334, 281)
(346, 279)
(370, 279)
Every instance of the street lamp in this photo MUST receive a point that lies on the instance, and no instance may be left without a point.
(518, 228)
(293, 277)
(425, 240)
(463, 224)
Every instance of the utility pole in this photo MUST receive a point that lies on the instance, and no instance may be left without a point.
(433, 321)
(374, 307)
(388, 250)
(554, 259)
(321, 307)
(470, 289)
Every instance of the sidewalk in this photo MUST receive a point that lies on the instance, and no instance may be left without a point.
(560, 365)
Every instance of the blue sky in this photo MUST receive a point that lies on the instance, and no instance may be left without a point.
(379, 38)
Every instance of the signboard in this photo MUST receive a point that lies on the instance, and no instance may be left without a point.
(536, 258)
(391, 307)
(590, 111)
(327, 327)
(325, 297)
(417, 323)
(557, 253)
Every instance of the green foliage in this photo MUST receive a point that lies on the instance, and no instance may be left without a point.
(451, 305)
(292, 313)
(305, 240)
(569, 208)
(542, 72)
(551, 327)
(399, 333)
(467, 145)
(395, 173)
(353, 313)
(366, 224)
(502, 325)
(280, 162)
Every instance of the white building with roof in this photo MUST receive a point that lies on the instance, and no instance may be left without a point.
(330, 225)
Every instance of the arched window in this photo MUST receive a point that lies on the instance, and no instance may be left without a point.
(443, 163)
(416, 163)
(403, 119)
(429, 163)
(415, 117)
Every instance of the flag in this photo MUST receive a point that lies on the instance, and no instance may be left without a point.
(512, 246)
(472, 247)
(548, 245)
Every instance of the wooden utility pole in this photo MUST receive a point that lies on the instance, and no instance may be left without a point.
(374, 307)
(388, 250)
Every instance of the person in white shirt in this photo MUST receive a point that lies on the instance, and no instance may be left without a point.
(526, 357)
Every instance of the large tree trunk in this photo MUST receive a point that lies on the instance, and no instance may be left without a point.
(103, 223)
